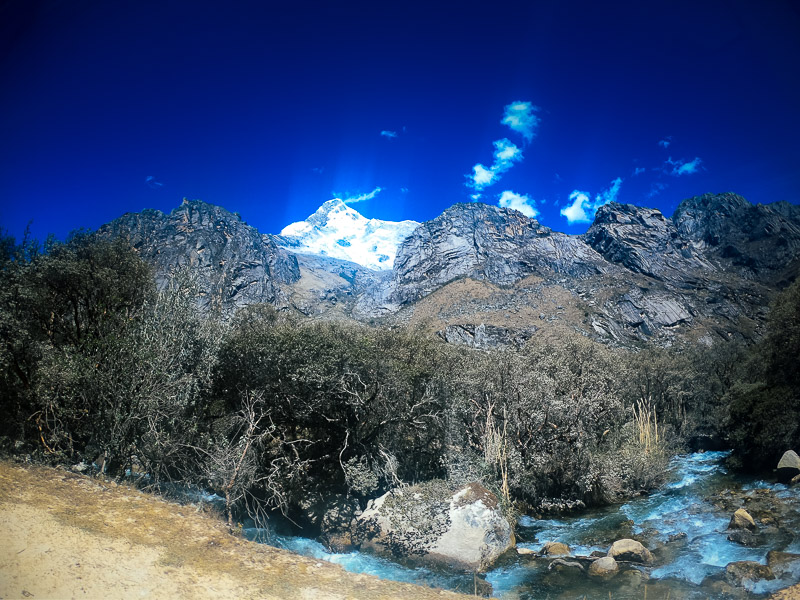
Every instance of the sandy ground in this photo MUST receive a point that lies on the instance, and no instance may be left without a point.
(64, 535)
(792, 593)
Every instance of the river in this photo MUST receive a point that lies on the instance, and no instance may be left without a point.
(684, 523)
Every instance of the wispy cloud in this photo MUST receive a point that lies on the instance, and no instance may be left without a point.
(520, 118)
(318, 170)
(506, 153)
(582, 209)
(523, 204)
(151, 182)
(656, 189)
(638, 171)
(679, 167)
(665, 142)
(403, 190)
(359, 198)
(609, 195)
(389, 134)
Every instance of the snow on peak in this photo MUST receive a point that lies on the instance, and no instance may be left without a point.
(339, 231)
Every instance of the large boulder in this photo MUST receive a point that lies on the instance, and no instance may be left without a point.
(788, 466)
(631, 551)
(465, 528)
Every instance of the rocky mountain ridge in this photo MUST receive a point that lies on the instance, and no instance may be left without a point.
(487, 276)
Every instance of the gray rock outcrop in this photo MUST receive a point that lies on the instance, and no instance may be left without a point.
(643, 241)
(486, 336)
(484, 242)
(233, 263)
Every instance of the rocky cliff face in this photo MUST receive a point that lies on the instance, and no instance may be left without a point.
(486, 276)
(234, 264)
(485, 243)
(707, 273)
(755, 241)
(643, 241)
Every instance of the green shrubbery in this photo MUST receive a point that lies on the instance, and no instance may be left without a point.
(764, 401)
(267, 409)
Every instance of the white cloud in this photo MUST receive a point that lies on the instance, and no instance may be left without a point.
(609, 195)
(506, 153)
(389, 134)
(576, 212)
(638, 171)
(482, 177)
(523, 204)
(681, 167)
(665, 142)
(475, 197)
(361, 197)
(583, 210)
(520, 118)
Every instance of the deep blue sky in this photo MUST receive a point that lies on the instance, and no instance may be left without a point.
(270, 108)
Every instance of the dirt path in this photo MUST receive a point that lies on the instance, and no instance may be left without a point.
(64, 535)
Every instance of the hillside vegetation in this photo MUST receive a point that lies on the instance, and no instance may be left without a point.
(272, 411)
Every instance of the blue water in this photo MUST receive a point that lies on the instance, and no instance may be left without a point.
(688, 504)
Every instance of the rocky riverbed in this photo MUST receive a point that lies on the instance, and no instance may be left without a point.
(692, 539)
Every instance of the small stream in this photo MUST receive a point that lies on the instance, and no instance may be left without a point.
(684, 524)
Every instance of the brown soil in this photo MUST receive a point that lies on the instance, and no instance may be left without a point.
(64, 535)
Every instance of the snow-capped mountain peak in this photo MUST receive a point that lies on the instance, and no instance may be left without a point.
(339, 231)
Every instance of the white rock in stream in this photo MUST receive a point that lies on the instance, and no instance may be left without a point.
(465, 529)
(630, 550)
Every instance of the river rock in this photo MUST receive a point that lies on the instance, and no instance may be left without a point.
(631, 551)
(465, 528)
(784, 565)
(744, 573)
(555, 549)
(788, 466)
(604, 567)
(745, 537)
(559, 564)
(741, 519)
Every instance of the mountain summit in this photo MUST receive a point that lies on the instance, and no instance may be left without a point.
(338, 231)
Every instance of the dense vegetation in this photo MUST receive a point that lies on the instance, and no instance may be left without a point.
(97, 365)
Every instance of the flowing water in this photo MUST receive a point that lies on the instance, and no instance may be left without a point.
(684, 523)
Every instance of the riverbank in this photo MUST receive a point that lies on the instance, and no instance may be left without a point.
(70, 536)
